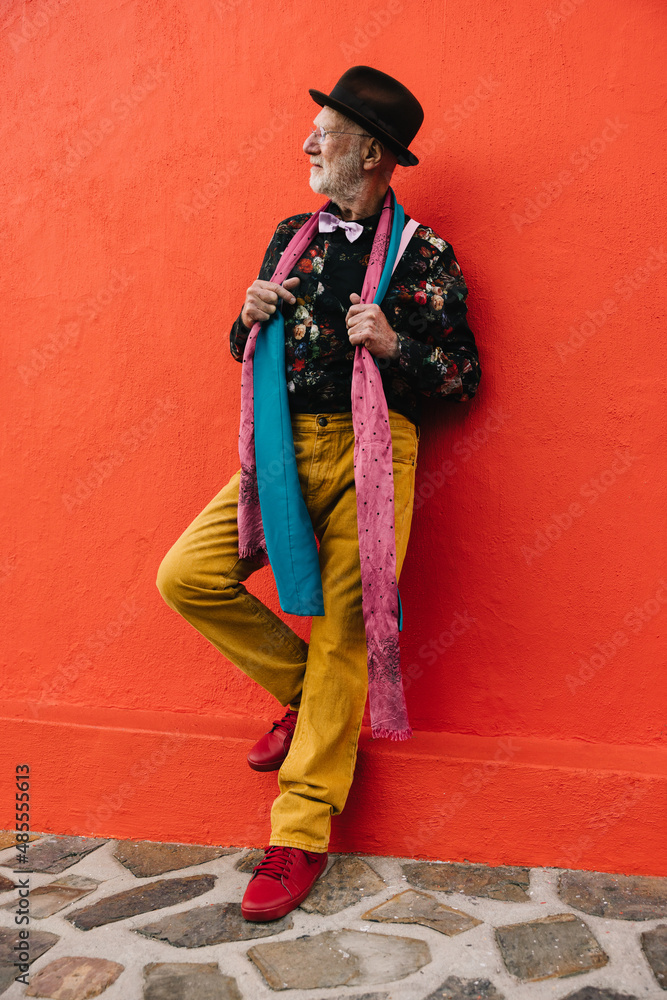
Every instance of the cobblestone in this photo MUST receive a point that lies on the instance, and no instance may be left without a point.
(625, 897)
(558, 945)
(74, 978)
(212, 924)
(509, 884)
(411, 907)
(153, 896)
(347, 881)
(48, 899)
(654, 946)
(55, 854)
(145, 859)
(338, 958)
(470, 989)
(188, 981)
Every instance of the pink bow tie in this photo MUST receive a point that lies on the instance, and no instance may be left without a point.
(329, 222)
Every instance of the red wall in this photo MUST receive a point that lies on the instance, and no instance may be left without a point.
(150, 150)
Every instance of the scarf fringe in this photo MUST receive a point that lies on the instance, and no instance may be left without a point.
(381, 732)
(254, 554)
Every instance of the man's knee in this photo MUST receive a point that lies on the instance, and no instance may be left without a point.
(182, 579)
(170, 581)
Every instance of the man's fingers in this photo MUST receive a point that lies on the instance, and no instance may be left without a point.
(360, 329)
(266, 299)
(269, 291)
(354, 298)
(360, 338)
(356, 313)
(284, 293)
(362, 307)
(258, 314)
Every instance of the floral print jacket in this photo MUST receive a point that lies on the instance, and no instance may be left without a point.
(424, 304)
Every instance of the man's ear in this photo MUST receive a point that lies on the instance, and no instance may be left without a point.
(373, 154)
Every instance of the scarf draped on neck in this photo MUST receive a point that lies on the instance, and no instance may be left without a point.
(272, 500)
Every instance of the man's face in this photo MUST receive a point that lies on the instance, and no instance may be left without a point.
(336, 169)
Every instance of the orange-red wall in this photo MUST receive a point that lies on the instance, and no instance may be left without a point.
(148, 153)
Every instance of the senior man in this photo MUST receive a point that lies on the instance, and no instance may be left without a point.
(416, 342)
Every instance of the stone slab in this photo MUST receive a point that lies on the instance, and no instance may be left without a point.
(338, 958)
(55, 854)
(598, 993)
(553, 946)
(212, 924)
(654, 946)
(74, 978)
(141, 899)
(48, 899)
(145, 859)
(249, 860)
(505, 882)
(40, 941)
(412, 907)
(188, 981)
(8, 838)
(361, 996)
(7, 975)
(347, 881)
(621, 897)
(454, 988)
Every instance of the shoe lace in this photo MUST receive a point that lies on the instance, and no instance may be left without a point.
(276, 862)
(286, 724)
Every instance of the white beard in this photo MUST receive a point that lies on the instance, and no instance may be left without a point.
(341, 180)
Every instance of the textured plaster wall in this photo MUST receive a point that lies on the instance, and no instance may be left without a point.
(149, 149)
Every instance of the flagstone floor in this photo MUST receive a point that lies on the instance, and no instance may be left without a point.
(134, 920)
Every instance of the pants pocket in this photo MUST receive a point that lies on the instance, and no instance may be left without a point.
(404, 440)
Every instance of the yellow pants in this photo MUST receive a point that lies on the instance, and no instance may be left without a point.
(202, 577)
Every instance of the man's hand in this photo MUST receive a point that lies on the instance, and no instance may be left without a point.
(262, 298)
(367, 324)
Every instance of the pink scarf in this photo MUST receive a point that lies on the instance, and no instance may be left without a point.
(374, 481)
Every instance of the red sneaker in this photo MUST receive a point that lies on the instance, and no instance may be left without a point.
(269, 752)
(281, 881)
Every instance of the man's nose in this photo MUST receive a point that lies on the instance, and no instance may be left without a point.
(311, 144)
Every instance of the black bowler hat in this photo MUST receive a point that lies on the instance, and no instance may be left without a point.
(381, 105)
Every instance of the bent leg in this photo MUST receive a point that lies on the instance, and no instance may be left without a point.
(316, 776)
(201, 577)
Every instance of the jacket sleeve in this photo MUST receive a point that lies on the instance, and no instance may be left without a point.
(239, 332)
(438, 355)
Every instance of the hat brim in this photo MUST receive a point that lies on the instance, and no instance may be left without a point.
(403, 154)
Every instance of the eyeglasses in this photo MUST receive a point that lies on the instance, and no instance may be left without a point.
(321, 133)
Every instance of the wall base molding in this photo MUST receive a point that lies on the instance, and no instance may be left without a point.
(180, 778)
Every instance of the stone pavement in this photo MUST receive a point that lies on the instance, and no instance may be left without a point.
(134, 920)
